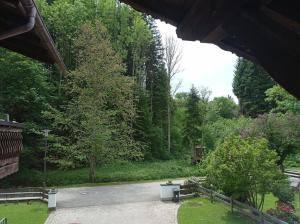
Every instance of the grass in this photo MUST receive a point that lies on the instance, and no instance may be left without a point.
(116, 173)
(23, 213)
(202, 211)
(270, 202)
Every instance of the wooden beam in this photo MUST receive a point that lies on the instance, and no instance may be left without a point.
(205, 17)
(281, 19)
(238, 51)
(35, 53)
(269, 52)
(285, 37)
(144, 6)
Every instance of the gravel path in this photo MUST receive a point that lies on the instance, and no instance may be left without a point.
(117, 204)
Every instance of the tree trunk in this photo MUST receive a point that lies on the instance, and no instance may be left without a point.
(92, 173)
(169, 126)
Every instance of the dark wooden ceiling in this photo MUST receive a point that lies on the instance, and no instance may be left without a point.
(264, 31)
(36, 43)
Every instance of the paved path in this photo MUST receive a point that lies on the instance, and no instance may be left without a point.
(118, 204)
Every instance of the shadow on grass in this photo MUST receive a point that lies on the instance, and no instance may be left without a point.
(236, 218)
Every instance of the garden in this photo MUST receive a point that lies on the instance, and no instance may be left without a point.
(243, 173)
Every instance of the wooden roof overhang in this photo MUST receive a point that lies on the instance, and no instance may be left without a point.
(264, 31)
(34, 42)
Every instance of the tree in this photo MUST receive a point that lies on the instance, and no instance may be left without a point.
(281, 130)
(283, 101)
(137, 41)
(214, 132)
(26, 91)
(204, 94)
(194, 119)
(173, 57)
(222, 107)
(249, 85)
(102, 109)
(244, 169)
(157, 87)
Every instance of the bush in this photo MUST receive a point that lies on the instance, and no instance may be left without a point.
(283, 191)
(243, 169)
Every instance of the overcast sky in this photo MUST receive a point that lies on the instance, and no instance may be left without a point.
(203, 65)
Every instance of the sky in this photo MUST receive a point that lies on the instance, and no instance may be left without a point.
(204, 65)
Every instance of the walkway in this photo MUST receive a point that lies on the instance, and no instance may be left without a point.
(117, 204)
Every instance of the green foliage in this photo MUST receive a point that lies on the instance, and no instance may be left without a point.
(214, 133)
(194, 119)
(243, 169)
(26, 90)
(281, 130)
(249, 85)
(102, 108)
(283, 101)
(221, 107)
(114, 172)
(283, 191)
(54, 99)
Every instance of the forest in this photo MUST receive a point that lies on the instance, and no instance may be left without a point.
(116, 104)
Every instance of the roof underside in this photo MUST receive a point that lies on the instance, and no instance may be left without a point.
(264, 31)
(36, 43)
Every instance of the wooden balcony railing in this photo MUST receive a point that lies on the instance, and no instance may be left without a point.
(10, 147)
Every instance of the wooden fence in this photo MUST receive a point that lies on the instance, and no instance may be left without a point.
(242, 208)
(23, 194)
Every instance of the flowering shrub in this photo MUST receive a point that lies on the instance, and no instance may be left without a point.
(285, 207)
(285, 212)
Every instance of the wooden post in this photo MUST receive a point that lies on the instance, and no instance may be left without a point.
(211, 196)
(298, 188)
(262, 221)
(231, 203)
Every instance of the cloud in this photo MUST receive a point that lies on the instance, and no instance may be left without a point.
(203, 65)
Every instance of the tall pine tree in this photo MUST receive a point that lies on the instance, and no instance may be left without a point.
(249, 85)
(194, 120)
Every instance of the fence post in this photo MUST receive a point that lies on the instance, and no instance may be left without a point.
(231, 203)
(262, 220)
(211, 196)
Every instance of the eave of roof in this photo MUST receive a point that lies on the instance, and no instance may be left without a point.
(36, 43)
(264, 31)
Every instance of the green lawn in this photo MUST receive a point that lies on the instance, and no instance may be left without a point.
(202, 211)
(270, 202)
(126, 172)
(23, 213)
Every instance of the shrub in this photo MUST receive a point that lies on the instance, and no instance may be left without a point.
(283, 191)
(243, 169)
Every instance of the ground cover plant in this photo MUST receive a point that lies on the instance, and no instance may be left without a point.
(121, 172)
(24, 213)
(202, 211)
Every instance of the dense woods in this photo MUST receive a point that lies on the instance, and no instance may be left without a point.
(116, 102)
